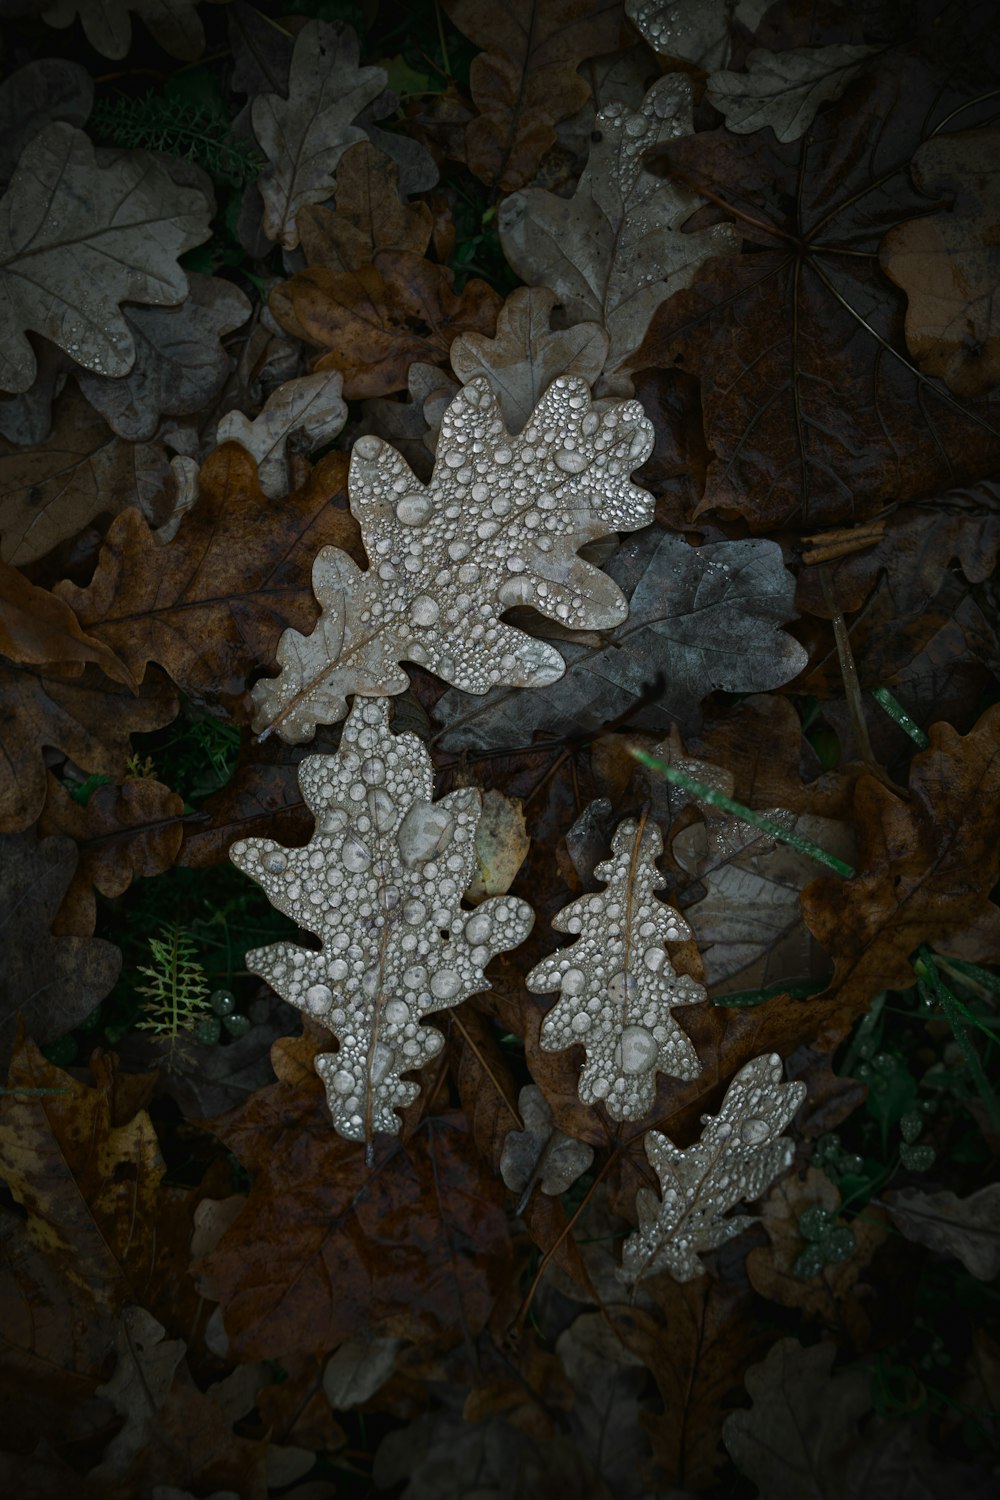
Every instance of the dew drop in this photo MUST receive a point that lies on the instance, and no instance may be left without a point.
(318, 997)
(355, 854)
(753, 1131)
(445, 984)
(274, 861)
(638, 1049)
(424, 610)
(414, 510)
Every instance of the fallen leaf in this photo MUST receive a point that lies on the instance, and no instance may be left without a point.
(211, 604)
(948, 264)
(175, 24)
(144, 1373)
(53, 490)
(741, 1150)
(50, 88)
(38, 629)
(383, 896)
(967, 1228)
(526, 78)
(360, 1367)
(180, 363)
(812, 411)
(606, 1420)
(305, 135)
(502, 844)
(526, 355)
(616, 250)
(368, 215)
(77, 239)
(699, 618)
(696, 31)
(377, 320)
(539, 1152)
(784, 90)
(300, 414)
(436, 592)
(55, 982)
(926, 866)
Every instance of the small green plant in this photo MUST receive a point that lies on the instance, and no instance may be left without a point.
(178, 997)
(198, 130)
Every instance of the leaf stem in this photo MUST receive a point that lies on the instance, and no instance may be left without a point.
(898, 714)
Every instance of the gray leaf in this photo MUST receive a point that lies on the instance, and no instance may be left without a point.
(967, 1228)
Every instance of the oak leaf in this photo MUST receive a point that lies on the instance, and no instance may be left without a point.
(368, 215)
(77, 239)
(695, 31)
(108, 28)
(305, 135)
(948, 264)
(209, 606)
(784, 90)
(526, 78)
(616, 250)
(926, 867)
(37, 628)
(50, 88)
(298, 416)
(741, 1150)
(967, 1228)
(539, 1152)
(380, 883)
(433, 593)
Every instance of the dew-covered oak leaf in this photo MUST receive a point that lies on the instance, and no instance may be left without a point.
(740, 1152)
(617, 983)
(498, 525)
(381, 883)
(77, 239)
(784, 89)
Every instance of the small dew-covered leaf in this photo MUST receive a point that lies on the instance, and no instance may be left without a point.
(143, 1375)
(380, 883)
(741, 1151)
(307, 411)
(498, 525)
(78, 239)
(617, 983)
(694, 31)
(784, 89)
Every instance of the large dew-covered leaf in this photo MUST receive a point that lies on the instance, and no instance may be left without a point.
(78, 239)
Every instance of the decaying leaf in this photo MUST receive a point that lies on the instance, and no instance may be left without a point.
(784, 90)
(699, 618)
(38, 629)
(968, 1228)
(305, 135)
(303, 413)
(948, 264)
(53, 981)
(502, 843)
(380, 883)
(526, 355)
(50, 88)
(499, 524)
(144, 1373)
(539, 1152)
(359, 1368)
(526, 78)
(606, 1420)
(616, 250)
(108, 25)
(618, 986)
(740, 1152)
(368, 215)
(77, 239)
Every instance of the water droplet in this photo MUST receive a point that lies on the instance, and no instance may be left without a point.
(571, 460)
(397, 1012)
(342, 1081)
(382, 1061)
(332, 821)
(424, 610)
(355, 854)
(274, 861)
(382, 808)
(574, 982)
(414, 911)
(753, 1131)
(638, 1050)
(445, 984)
(318, 997)
(654, 959)
(478, 928)
(414, 510)
(581, 1021)
(415, 977)
(425, 830)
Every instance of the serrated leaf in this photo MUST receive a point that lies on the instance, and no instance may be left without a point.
(741, 1150)
(539, 1152)
(615, 250)
(305, 135)
(617, 982)
(784, 90)
(78, 239)
(498, 525)
(381, 883)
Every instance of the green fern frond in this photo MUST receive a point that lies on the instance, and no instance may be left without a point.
(177, 126)
(178, 993)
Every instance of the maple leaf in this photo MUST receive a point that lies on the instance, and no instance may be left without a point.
(108, 28)
(433, 593)
(380, 883)
(948, 264)
(618, 984)
(811, 406)
(784, 90)
(615, 251)
(77, 239)
(926, 866)
(699, 618)
(526, 78)
(741, 1150)
(305, 135)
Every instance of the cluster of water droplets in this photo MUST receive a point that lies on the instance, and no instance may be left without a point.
(617, 983)
(381, 883)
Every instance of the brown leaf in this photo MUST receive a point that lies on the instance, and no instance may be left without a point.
(86, 716)
(261, 800)
(37, 628)
(369, 216)
(125, 831)
(377, 320)
(82, 471)
(926, 866)
(948, 264)
(53, 981)
(414, 1246)
(211, 605)
(526, 78)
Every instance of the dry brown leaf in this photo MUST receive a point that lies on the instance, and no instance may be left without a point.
(37, 628)
(526, 78)
(210, 606)
(377, 320)
(368, 215)
(948, 264)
